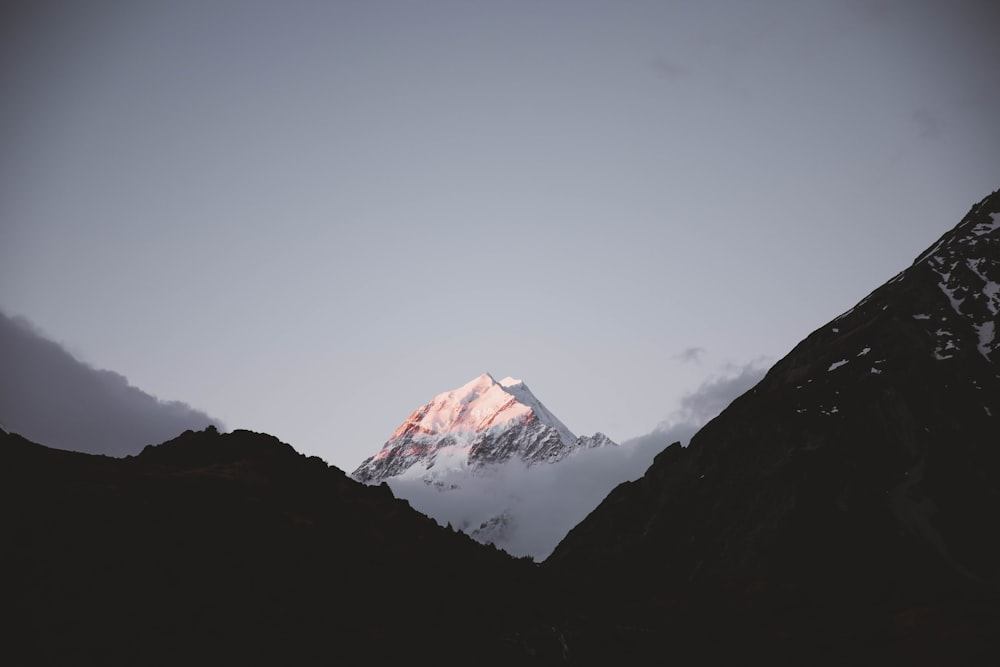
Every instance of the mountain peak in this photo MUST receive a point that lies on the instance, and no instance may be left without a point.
(478, 405)
(483, 421)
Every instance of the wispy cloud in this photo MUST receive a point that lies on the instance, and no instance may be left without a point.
(717, 392)
(49, 396)
(691, 355)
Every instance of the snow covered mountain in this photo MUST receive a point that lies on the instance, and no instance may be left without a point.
(481, 423)
(472, 458)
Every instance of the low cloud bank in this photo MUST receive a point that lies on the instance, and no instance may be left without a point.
(527, 511)
(50, 397)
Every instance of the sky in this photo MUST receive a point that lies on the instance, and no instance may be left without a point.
(309, 218)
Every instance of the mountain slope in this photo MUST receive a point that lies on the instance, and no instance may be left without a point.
(481, 423)
(866, 460)
(235, 549)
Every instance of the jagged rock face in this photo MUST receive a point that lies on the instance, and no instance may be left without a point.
(596, 440)
(482, 423)
(867, 456)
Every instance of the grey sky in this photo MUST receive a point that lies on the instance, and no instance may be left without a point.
(309, 218)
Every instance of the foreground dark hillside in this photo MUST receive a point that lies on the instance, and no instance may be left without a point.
(235, 549)
(855, 491)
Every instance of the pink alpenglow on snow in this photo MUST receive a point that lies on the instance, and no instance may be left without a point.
(473, 407)
(481, 422)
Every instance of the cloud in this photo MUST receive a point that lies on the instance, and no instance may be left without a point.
(532, 509)
(50, 397)
(536, 506)
(691, 354)
(697, 408)
(712, 397)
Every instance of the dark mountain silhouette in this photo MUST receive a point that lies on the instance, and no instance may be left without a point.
(858, 482)
(235, 549)
(48, 395)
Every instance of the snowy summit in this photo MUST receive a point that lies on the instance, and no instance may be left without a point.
(482, 422)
